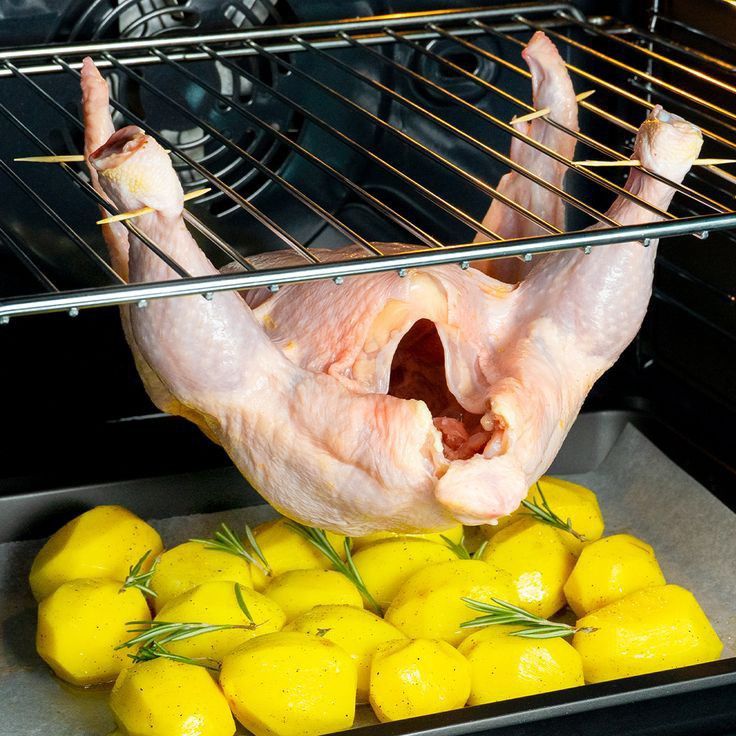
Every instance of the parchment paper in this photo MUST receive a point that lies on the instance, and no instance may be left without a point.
(640, 490)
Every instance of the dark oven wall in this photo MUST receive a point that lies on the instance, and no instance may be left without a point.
(74, 408)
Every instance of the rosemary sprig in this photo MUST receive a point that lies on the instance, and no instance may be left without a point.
(501, 612)
(154, 650)
(164, 632)
(225, 540)
(152, 636)
(461, 550)
(545, 514)
(318, 539)
(141, 580)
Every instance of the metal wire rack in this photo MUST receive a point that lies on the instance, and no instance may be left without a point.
(654, 69)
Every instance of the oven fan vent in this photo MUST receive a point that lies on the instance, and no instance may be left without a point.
(112, 19)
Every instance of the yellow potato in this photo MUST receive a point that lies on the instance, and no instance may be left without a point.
(298, 591)
(385, 565)
(103, 542)
(165, 698)
(504, 666)
(416, 678)
(81, 623)
(429, 606)
(569, 501)
(215, 603)
(454, 533)
(610, 568)
(188, 565)
(652, 629)
(290, 684)
(538, 561)
(356, 631)
(285, 550)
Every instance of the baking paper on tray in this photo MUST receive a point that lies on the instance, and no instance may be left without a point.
(640, 490)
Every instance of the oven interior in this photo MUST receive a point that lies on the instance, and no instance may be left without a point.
(72, 395)
(310, 115)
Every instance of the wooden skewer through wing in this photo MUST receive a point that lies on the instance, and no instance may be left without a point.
(62, 159)
(145, 210)
(66, 158)
(546, 110)
(635, 162)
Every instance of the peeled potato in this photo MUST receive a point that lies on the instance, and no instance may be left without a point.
(299, 591)
(188, 565)
(608, 570)
(537, 560)
(290, 684)
(416, 678)
(385, 565)
(104, 542)
(216, 603)
(81, 623)
(504, 666)
(285, 549)
(356, 631)
(454, 533)
(429, 606)
(569, 501)
(649, 630)
(165, 698)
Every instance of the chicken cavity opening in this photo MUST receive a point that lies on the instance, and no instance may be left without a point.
(418, 372)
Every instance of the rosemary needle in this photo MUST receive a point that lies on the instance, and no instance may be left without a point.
(241, 602)
(504, 613)
(141, 580)
(545, 514)
(225, 540)
(318, 538)
(458, 548)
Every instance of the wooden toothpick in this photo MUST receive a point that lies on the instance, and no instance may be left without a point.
(630, 162)
(546, 110)
(65, 159)
(145, 210)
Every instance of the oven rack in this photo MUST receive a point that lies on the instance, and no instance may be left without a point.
(705, 199)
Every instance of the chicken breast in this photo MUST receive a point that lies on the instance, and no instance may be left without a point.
(298, 387)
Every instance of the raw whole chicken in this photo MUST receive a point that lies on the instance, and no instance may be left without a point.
(404, 404)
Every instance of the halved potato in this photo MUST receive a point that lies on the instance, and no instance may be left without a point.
(290, 684)
(429, 604)
(535, 556)
(165, 698)
(104, 542)
(384, 566)
(649, 630)
(80, 625)
(609, 569)
(416, 678)
(504, 666)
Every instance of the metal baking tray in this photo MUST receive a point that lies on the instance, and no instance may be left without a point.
(698, 699)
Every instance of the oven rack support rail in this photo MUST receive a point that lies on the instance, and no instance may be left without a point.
(708, 208)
